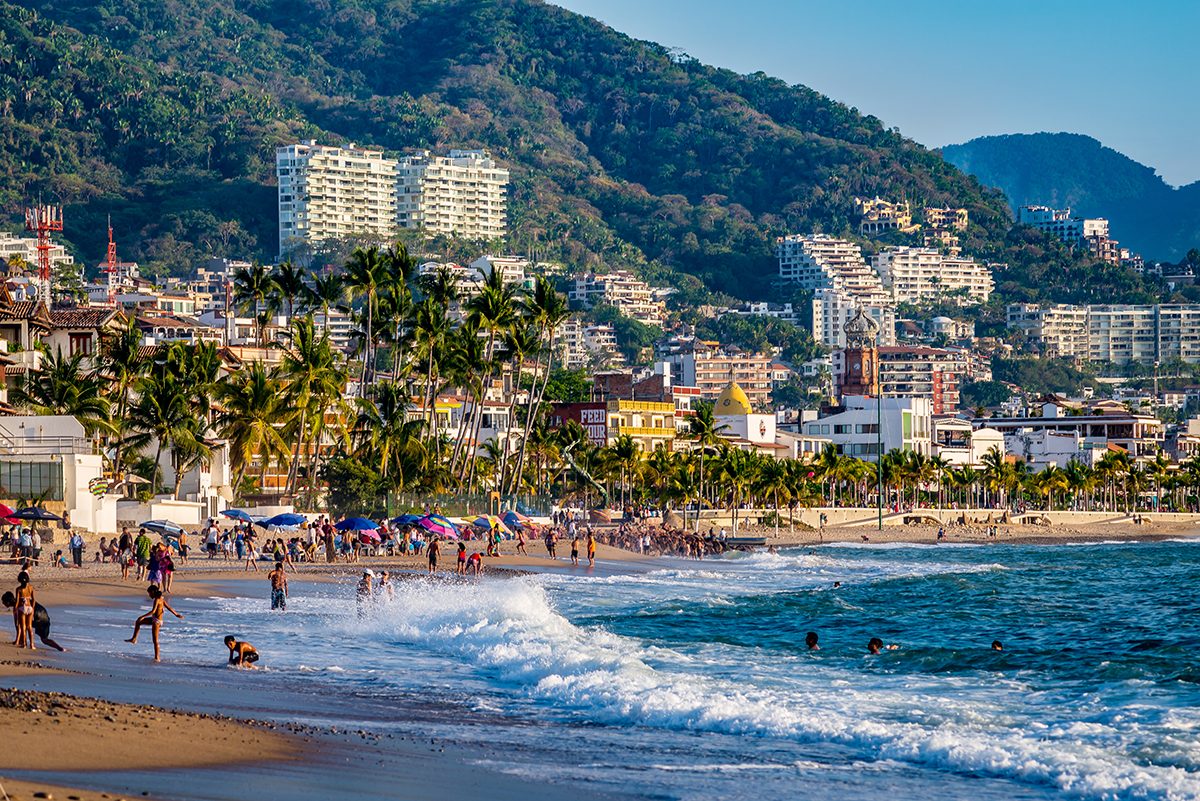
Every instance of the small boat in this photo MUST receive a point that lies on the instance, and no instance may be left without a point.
(741, 542)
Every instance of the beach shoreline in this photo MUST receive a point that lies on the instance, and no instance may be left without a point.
(314, 760)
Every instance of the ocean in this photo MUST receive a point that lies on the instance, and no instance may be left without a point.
(693, 681)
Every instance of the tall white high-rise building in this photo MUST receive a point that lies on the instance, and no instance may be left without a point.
(328, 193)
(463, 194)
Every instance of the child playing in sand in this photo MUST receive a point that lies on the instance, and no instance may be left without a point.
(241, 654)
(475, 563)
(279, 587)
(153, 618)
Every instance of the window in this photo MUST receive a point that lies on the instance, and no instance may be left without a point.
(843, 428)
(80, 344)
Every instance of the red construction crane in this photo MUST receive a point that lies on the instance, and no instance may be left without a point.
(43, 221)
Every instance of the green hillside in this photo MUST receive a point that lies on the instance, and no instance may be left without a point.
(167, 114)
(1062, 169)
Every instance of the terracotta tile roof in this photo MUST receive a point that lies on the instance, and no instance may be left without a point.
(81, 317)
(24, 310)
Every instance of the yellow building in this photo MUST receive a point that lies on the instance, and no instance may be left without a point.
(650, 424)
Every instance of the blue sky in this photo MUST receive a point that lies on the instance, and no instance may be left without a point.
(943, 72)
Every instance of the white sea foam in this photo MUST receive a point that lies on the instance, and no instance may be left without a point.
(510, 631)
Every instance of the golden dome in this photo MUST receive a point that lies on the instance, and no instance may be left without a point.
(732, 400)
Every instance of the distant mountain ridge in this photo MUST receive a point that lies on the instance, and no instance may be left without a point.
(1065, 169)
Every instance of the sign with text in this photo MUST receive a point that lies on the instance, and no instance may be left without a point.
(592, 416)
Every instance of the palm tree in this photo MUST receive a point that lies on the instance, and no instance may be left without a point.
(775, 481)
(493, 310)
(705, 431)
(163, 413)
(327, 293)
(366, 272)
(289, 287)
(63, 387)
(545, 309)
(737, 471)
(521, 342)
(431, 332)
(122, 365)
(252, 410)
(253, 289)
(313, 381)
(627, 455)
(388, 439)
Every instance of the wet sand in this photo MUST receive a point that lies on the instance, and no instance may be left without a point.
(111, 727)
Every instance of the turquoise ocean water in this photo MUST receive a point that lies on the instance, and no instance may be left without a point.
(693, 681)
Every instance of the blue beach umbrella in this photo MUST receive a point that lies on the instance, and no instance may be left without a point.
(406, 519)
(162, 527)
(238, 514)
(285, 520)
(357, 524)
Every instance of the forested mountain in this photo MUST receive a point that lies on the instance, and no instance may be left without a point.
(166, 114)
(1063, 169)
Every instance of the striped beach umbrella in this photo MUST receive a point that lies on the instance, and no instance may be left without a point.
(436, 524)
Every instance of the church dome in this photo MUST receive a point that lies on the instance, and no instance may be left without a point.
(732, 401)
(861, 329)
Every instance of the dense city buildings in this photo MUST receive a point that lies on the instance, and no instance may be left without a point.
(832, 309)
(1121, 333)
(710, 368)
(915, 372)
(330, 193)
(462, 194)
(1091, 233)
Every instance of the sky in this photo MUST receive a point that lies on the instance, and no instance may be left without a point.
(944, 72)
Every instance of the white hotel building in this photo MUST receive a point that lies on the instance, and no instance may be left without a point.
(1113, 333)
(463, 194)
(622, 289)
(328, 193)
(919, 274)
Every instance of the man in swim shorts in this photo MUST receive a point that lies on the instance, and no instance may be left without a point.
(279, 587)
(433, 550)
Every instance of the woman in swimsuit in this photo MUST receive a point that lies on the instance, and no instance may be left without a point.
(23, 612)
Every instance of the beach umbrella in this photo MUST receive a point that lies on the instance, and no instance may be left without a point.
(33, 513)
(369, 536)
(357, 524)
(238, 514)
(490, 522)
(436, 524)
(163, 527)
(514, 519)
(285, 520)
(406, 519)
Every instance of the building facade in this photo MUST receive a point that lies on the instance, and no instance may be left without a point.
(832, 309)
(622, 289)
(329, 193)
(462, 194)
(920, 274)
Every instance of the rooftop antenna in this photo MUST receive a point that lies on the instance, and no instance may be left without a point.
(42, 220)
(110, 265)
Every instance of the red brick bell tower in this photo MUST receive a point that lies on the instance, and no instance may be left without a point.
(861, 376)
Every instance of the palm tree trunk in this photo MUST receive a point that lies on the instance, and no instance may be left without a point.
(294, 470)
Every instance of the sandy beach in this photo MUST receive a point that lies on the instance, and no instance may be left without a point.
(131, 728)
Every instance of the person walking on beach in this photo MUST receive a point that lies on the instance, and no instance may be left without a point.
(24, 607)
(461, 569)
(521, 542)
(279, 588)
(241, 654)
(41, 620)
(591, 546)
(153, 618)
(141, 550)
(251, 551)
(76, 545)
(575, 551)
(433, 550)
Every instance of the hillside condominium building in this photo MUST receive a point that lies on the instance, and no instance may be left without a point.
(462, 194)
(329, 193)
(917, 274)
(1113, 333)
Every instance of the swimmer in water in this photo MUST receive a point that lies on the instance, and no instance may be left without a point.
(876, 645)
(153, 618)
(997, 645)
(810, 640)
(837, 585)
(241, 654)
